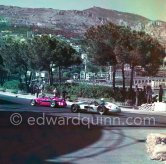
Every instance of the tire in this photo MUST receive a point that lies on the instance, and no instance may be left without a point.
(33, 102)
(75, 108)
(53, 104)
(101, 110)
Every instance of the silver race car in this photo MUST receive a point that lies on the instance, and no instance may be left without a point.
(94, 106)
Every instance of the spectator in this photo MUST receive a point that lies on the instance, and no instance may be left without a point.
(144, 95)
(31, 88)
(102, 101)
(149, 94)
(37, 90)
(132, 95)
(64, 94)
(141, 96)
(41, 87)
(136, 95)
(160, 93)
(55, 91)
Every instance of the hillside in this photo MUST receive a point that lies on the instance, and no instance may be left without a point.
(75, 23)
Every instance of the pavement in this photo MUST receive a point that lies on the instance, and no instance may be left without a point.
(128, 109)
(26, 96)
(71, 144)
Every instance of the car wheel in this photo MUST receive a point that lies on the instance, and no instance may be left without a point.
(33, 102)
(53, 104)
(75, 108)
(101, 109)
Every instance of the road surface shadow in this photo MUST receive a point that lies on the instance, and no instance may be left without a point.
(30, 144)
(7, 102)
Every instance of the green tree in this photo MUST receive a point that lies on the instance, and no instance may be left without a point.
(15, 56)
(63, 55)
(2, 71)
(153, 54)
(144, 51)
(41, 57)
(49, 51)
(101, 41)
(118, 45)
(121, 50)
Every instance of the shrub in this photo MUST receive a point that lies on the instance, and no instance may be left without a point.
(15, 91)
(2, 89)
(13, 84)
(49, 88)
(22, 86)
(88, 91)
(91, 91)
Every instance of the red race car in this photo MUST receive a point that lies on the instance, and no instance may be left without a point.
(49, 101)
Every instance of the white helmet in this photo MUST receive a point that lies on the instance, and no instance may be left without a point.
(102, 99)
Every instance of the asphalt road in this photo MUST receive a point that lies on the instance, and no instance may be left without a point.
(46, 135)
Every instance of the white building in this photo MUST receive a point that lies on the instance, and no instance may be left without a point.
(159, 79)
